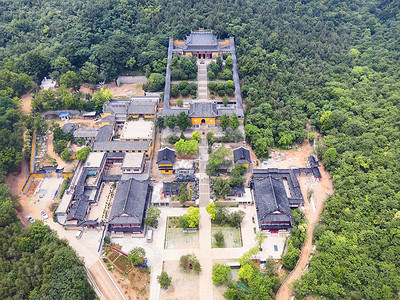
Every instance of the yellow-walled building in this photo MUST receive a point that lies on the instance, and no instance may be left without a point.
(241, 156)
(166, 160)
(203, 113)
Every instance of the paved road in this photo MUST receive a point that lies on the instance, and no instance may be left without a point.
(206, 284)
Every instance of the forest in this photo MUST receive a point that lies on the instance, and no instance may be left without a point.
(328, 63)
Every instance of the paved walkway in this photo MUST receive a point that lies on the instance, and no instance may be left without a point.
(202, 89)
(205, 258)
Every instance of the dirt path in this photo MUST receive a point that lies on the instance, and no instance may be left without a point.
(51, 153)
(321, 191)
(26, 104)
(104, 282)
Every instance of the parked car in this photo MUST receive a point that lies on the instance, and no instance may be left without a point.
(44, 215)
(31, 219)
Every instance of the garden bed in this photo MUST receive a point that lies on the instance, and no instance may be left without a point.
(123, 264)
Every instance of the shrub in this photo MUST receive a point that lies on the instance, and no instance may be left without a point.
(211, 75)
(220, 273)
(212, 85)
(184, 92)
(172, 139)
(219, 239)
(107, 240)
(164, 280)
(221, 93)
(229, 92)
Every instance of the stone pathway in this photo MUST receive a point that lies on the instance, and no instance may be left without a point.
(206, 284)
(202, 81)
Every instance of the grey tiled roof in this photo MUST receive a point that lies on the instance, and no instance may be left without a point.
(203, 110)
(173, 112)
(205, 38)
(166, 156)
(121, 146)
(115, 107)
(270, 197)
(237, 190)
(105, 133)
(78, 210)
(68, 127)
(85, 132)
(138, 108)
(229, 112)
(313, 162)
(130, 202)
(109, 119)
(241, 155)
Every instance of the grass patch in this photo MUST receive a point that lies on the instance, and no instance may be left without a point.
(232, 237)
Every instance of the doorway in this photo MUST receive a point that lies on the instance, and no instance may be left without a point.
(203, 121)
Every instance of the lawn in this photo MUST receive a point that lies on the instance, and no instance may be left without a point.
(232, 237)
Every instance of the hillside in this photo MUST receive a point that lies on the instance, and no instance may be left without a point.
(332, 64)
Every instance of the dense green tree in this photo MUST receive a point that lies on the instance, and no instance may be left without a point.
(224, 122)
(170, 121)
(152, 214)
(220, 273)
(82, 154)
(164, 280)
(234, 122)
(136, 255)
(183, 121)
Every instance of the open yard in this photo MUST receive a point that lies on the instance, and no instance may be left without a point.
(232, 237)
(183, 286)
(177, 239)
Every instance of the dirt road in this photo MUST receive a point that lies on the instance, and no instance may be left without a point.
(51, 153)
(26, 104)
(321, 191)
(104, 282)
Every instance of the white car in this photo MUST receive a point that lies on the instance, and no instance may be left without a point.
(44, 215)
(31, 219)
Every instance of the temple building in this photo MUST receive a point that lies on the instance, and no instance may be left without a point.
(202, 44)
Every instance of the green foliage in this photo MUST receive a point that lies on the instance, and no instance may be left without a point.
(70, 79)
(216, 159)
(155, 83)
(346, 63)
(170, 121)
(82, 154)
(183, 196)
(187, 147)
(107, 240)
(152, 214)
(101, 97)
(164, 280)
(189, 260)
(160, 122)
(210, 137)
(66, 155)
(196, 136)
(172, 139)
(221, 188)
(183, 121)
(210, 208)
(219, 239)
(296, 240)
(229, 62)
(220, 273)
(136, 255)
(192, 217)
(234, 121)
(224, 122)
(183, 67)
